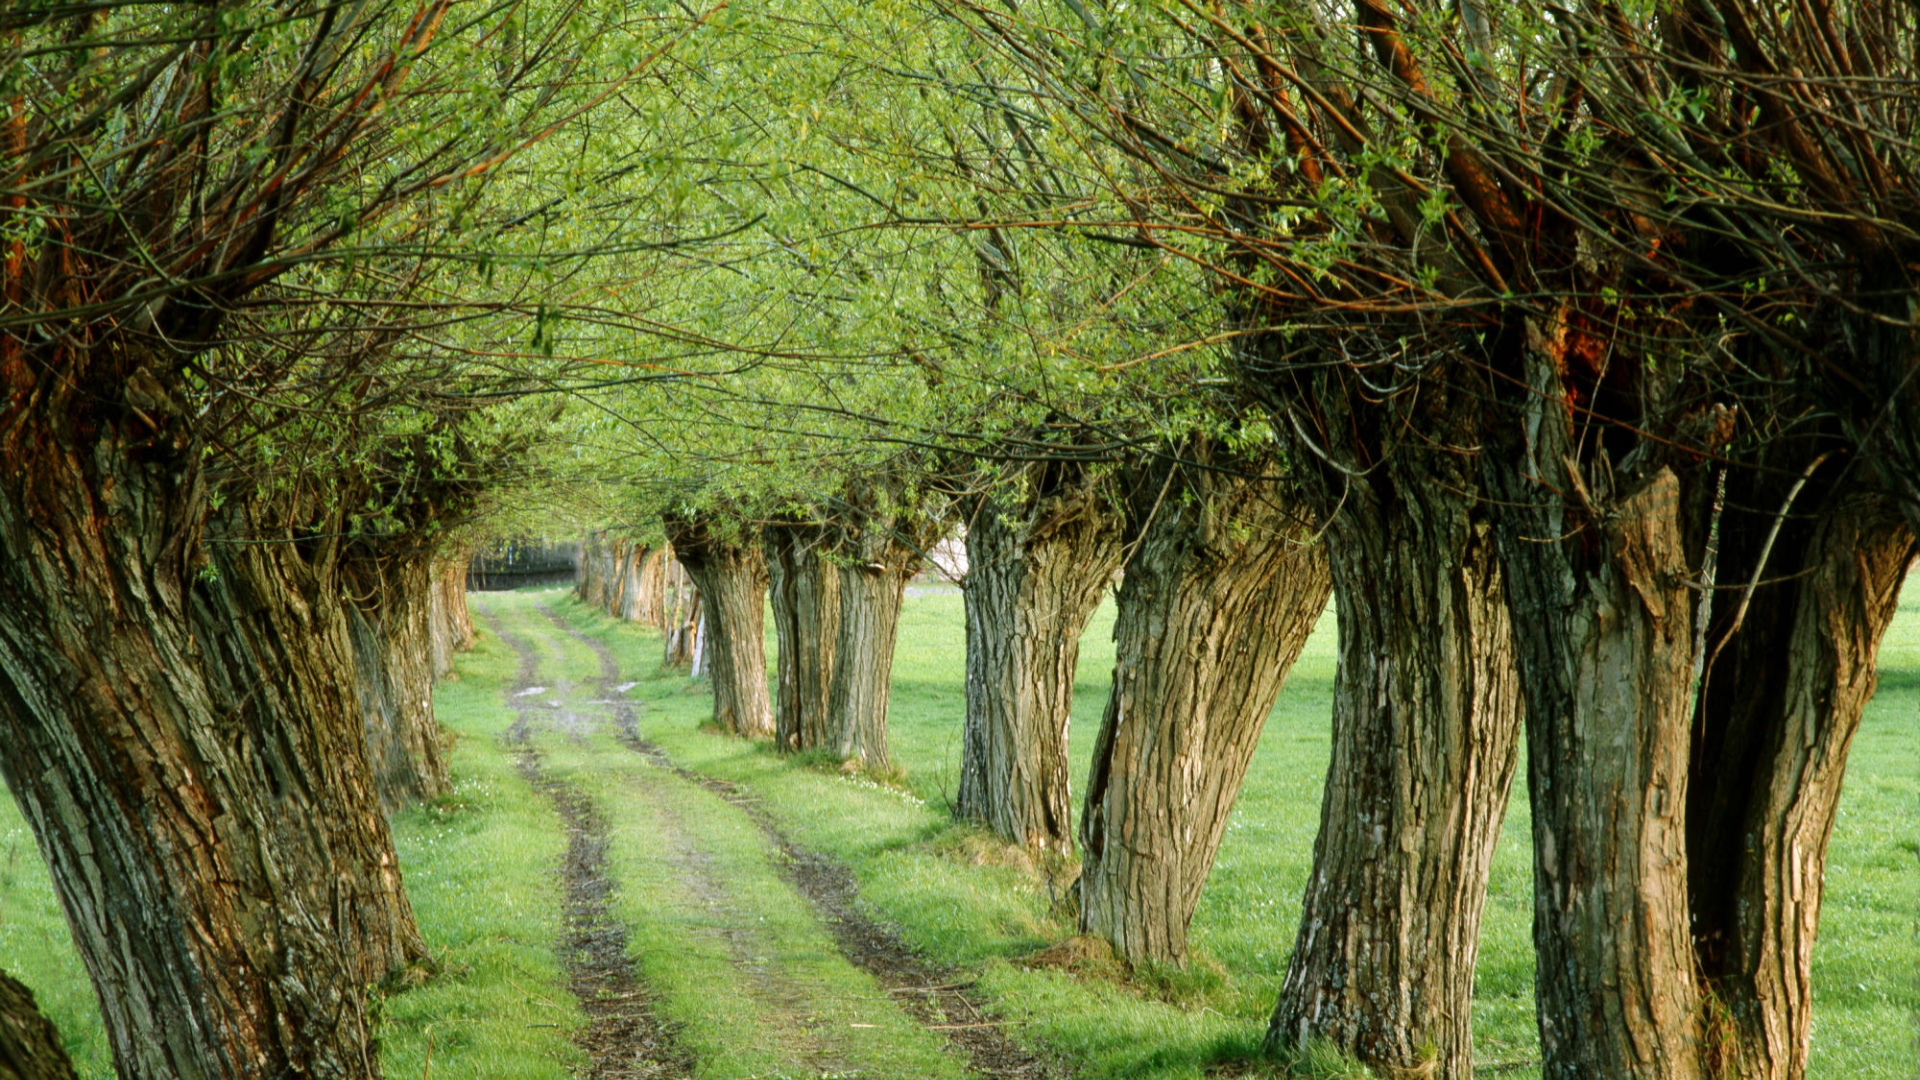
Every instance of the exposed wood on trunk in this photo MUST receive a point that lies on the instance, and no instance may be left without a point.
(1219, 595)
(188, 750)
(1426, 725)
(390, 626)
(805, 589)
(731, 574)
(1776, 716)
(1606, 669)
(1036, 570)
(30, 1048)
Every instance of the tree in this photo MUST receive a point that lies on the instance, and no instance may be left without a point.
(882, 533)
(29, 1046)
(1221, 588)
(211, 211)
(805, 590)
(729, 569)
(1042, 546)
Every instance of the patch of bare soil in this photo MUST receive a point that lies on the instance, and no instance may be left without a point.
(623, 1036)
(935, 996)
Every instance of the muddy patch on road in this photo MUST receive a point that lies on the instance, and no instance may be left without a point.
(936, 997)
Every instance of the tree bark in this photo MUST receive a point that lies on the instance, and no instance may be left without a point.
(683, 625)
(869, 623)
(389, 622)
(880, 548)
(1426, 726)
(731, 575)
(187, 747)
(1035, 574)
(805, 589)
(30, 1047)
(1219, 595)
(1777, 712)
(1606, 668)
(451, 622)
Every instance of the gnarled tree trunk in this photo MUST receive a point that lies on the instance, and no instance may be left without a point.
(869, 623)
(450, 623)
(30, 1047)
(1426, 725)
(188, 749)
(880, 548)
(1606, 668)
(1776, 714)
(805, 589)
(389, 622)
(1035, 574)
(1219, 595)
(731, 575)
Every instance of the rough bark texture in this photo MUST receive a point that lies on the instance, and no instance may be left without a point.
(389, 622)
(1036, 571)
(1219, 595)
(805, 589)
(188, 750)
(684, 617)
(869, 623)
(450, 623)
(1606, 666)
(1426, 727)
(1778, 709)
(30, 1048)
(732, 578)
(879, 548)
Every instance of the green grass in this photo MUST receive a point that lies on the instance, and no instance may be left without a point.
(961, 898)
(951, 892)
(479, 867)
(738, 965)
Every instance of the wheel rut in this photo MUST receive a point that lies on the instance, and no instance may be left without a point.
(623, 1037)
(936, 997)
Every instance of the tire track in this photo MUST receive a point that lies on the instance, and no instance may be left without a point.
(623, 1036)
(933, 995)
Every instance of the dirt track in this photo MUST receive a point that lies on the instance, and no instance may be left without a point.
(624, 1036)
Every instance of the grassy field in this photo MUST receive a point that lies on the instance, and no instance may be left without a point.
(479, 869)
(957, 896)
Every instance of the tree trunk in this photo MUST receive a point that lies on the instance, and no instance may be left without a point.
(632, 561)
(863, 660)
(390, 626)
(805, 589)
(591, 587)
(1219, 595)
(1777, 712)
(187, 747)
(1035, 574)
(1606, 668)
(1426, 726)
(732, 578)
(683, 625)
(655, 565)
(451, 623)
(30, 1047)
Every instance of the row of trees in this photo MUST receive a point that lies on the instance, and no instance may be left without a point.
(1592, 322)
(1569, 349)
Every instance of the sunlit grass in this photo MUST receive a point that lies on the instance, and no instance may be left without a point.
(500, 1010)
(950, 894)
